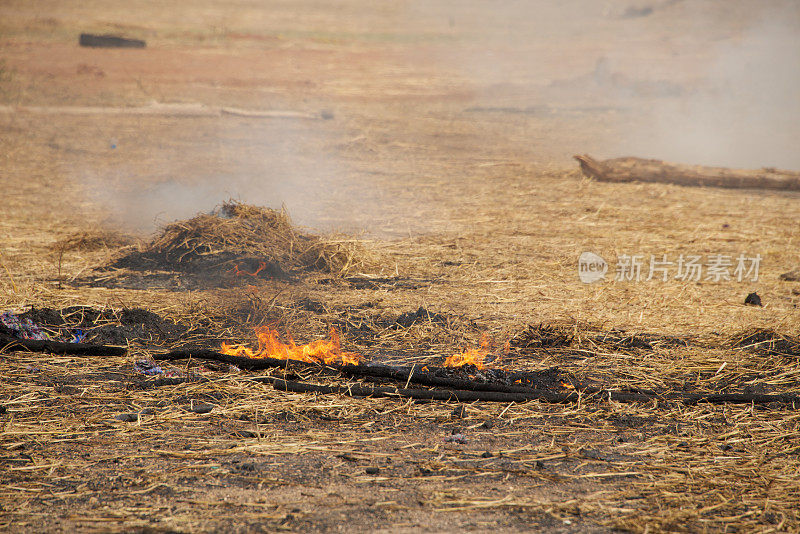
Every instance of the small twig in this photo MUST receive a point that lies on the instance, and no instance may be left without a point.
(60, 257)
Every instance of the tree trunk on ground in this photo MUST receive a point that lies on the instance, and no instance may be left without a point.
(653, 170)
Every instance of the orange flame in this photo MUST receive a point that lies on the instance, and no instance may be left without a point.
(474, 357)
(319, 351)
(238, 272)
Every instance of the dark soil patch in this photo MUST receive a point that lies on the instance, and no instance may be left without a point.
(768, 341)
(791, 276)
(381, 283)
(408, 319)
(545, 336)
(622, 340)
(542, 336)
(107, 326)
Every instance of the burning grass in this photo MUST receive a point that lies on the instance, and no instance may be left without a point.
(637, 467)
(325, 351)
(478, 357)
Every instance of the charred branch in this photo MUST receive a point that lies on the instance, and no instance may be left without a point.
(242, 362)
(460, 390)
(469, 395)
(58, 347)
(455, 395)
(414, 374)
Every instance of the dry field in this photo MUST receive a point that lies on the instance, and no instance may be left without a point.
(434, 146)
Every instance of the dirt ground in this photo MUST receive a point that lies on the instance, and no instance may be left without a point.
(440, 137)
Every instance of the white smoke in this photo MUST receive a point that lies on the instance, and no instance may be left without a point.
(272, 163)
(712, 82)
(745, 112)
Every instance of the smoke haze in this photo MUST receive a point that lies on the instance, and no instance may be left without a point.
(745, 111)
(706, 82)
(699, 82)
(272, 163)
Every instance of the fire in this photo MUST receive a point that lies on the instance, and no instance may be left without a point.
(469, 357)
(474, 357)
(319, 351)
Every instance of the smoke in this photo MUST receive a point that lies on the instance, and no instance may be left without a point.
(142, 209)
(744, 112)
(272, 163)
(702, 81)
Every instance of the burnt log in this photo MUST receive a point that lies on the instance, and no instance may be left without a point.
(242, 362)
(109, 41)
(58, 347)
(470, 395)
(454, 395)
(432, 377)
(657, 171)
(463, 390)
(412, 374)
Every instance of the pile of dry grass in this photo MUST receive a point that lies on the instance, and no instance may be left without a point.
(241, 232)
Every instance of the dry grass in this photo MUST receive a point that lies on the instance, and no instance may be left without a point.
(93, 240)
(234, 228)
(635, 467)
(677, 468)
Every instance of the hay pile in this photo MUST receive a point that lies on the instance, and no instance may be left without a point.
(245, 237)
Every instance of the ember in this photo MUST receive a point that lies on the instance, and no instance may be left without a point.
(237, 271)
(269, 346)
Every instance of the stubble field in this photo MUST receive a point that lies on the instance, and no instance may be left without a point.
(437, 142)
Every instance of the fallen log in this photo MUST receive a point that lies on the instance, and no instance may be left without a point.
(657, 171)
(58, 347)
(413, 374)
(109, 41)
(454, 395)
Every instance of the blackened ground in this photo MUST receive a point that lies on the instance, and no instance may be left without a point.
(106, 326)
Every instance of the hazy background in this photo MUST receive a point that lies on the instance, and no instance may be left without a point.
(707, 82)
(694, 81)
